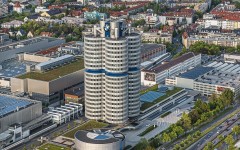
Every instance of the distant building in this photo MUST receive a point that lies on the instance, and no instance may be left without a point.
(41, 9)
(149, 51)
(95, 15)
(52, 12)
(14, 24)
(232, 58)
(17, 7)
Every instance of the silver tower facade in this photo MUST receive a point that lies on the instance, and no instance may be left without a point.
(112, 72)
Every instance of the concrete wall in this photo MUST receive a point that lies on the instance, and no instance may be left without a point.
(34, 58)
(66, 81)
(18, 85)
(4, 83)
(22, 116)
(38, 86)
(184, 83)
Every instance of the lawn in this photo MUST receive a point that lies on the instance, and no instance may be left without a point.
(92, 124)
(49, 146)
(152, 88)
(55, 73)
(168, 93)
(149, 129)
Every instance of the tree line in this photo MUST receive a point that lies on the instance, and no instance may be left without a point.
(200, 114)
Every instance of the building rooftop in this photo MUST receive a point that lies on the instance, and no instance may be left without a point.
(10, 104)
(55, 73)
(99, 136)
(147, 47)
(13, 68)
(170, 64)
(150, 96)
(195, 72)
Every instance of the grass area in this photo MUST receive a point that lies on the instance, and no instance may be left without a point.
(49, 146)
(165, 114)
(152, 88)
(92, 124)
(167, 94)
(55, 73)
(149, 129)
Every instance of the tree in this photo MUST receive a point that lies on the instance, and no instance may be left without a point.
(229, 140)
(165, 138)
(220, 137)
(236, 130)
(142, 144)
(185, 122)
(178, 129)
(149, 148)
(194, 116)
(173, 135)
(227, 96)
(209, 146)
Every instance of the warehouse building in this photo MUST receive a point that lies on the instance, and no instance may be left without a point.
(159, 73)
(11, 50)
(99, 139)
(213, 78)
(52, 63)
(49, 86)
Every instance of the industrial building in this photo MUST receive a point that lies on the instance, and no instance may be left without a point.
(49, 86)
(14, 112)
(159, 73)
(10, 51)
(66, 112)
(99, 139)
(17, 110)
(112, 72)
(213, 78)
(52, 63)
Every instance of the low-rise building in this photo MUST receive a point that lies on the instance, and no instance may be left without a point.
(231, 58)
(159, 73)
(12, 24)
(213, 78)
(95, 15)
(183, 16)
(156, 37)
(41, 9)
(73, 20)
(149, 51)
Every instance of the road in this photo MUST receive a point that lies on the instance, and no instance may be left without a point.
(201, 142)
(177, 41)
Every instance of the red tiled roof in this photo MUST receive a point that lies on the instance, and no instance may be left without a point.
(17, 4)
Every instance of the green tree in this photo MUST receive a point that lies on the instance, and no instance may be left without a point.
(165, 138)
(185, 122)
(142, 144)
(229, 140)
(209, 146)
(173, 135)
(178, 129)
(236, 130)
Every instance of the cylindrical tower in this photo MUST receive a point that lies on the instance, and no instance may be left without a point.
(116, 80)
(134, 78)
(112, 74)
(93, 77)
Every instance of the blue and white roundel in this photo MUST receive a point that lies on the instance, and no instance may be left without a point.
(107, 27)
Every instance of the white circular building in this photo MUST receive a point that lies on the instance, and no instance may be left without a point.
(101, 139)
(112, 73)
